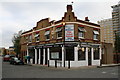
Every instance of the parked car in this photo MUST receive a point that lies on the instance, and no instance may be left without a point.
(15, 60)
(6, 58)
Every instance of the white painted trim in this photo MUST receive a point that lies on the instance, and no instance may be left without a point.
(48, 52)
(100, 53)
(92, 55)
(35, 56)
(76, 53)
(63, 56)
(44, 56)
(27, 54)
(60, 24)
(83, 24)
(86, 55)
(42, 29)
(39, 56)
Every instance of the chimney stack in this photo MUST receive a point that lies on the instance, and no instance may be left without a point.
(86, 19)
(69, 8)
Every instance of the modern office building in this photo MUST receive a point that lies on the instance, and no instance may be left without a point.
(106, 31)
(116, 18)
(116, 27)
(69, 39)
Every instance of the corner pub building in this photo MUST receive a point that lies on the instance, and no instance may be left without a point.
(68, 39)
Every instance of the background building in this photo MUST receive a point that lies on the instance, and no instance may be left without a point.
(106, 31)
(116, 18)
(2, 50)
(116, 29)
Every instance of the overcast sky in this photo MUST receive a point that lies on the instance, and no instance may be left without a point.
(16, 15)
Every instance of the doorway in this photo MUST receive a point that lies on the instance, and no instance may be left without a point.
(41, 57)
(89, 57)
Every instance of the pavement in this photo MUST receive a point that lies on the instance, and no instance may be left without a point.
(108, 65)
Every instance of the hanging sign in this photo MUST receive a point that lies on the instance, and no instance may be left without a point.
(69, 32)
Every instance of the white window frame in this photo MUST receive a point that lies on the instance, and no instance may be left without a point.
(95, 33)
(81, 30)
(57, 31)
(46, 34)
(36, 36)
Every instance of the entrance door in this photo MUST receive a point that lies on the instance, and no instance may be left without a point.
(89, 57)
(46, 56)
(37, 56)
(41, 58)
(70, 53)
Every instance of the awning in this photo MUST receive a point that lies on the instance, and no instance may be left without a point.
(82, 29)
(47, 32)
(58, 29)
(96, 32)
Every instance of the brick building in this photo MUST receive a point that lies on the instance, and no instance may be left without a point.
(68, 39)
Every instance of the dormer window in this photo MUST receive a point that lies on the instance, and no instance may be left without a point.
(81, 32)
(95, 35)
(37, 36)
(47, 34)
(30, 37)
(59, 32)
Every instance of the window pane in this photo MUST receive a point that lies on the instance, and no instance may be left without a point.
(96, 53)
(59, 34)
(80, 34)
(70, 53)
(95, 36)
(47, 36)
(81, 53)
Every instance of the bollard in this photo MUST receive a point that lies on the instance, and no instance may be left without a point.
(68, 64)
(55, 63)
(48, 64)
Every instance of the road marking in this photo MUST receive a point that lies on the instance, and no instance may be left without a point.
(104, 72)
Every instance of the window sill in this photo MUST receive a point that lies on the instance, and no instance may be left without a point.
(47, 39)
(96, 39)
(37, 41)
(29, 42)
(59, 37)
(81, 38)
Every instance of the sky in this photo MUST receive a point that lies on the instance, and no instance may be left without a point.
(16, 15)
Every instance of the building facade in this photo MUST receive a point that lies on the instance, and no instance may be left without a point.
(68, 39)
(116, 27)
(106, 31)
(116, 18)
(2, 51)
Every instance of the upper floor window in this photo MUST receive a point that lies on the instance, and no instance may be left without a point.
(37, 37)
(30, 38)
(59, 32)
(26, 38)
(47, 35)
(81, 32)
(96, 53)
(95, 35)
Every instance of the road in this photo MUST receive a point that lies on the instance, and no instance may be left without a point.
(25, 71)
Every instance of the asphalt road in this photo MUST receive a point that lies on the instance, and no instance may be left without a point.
(25, 71)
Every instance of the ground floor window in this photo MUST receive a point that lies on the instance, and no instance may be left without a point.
(70, 53)
(96, 53)
(56, 53)
(81, 53)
